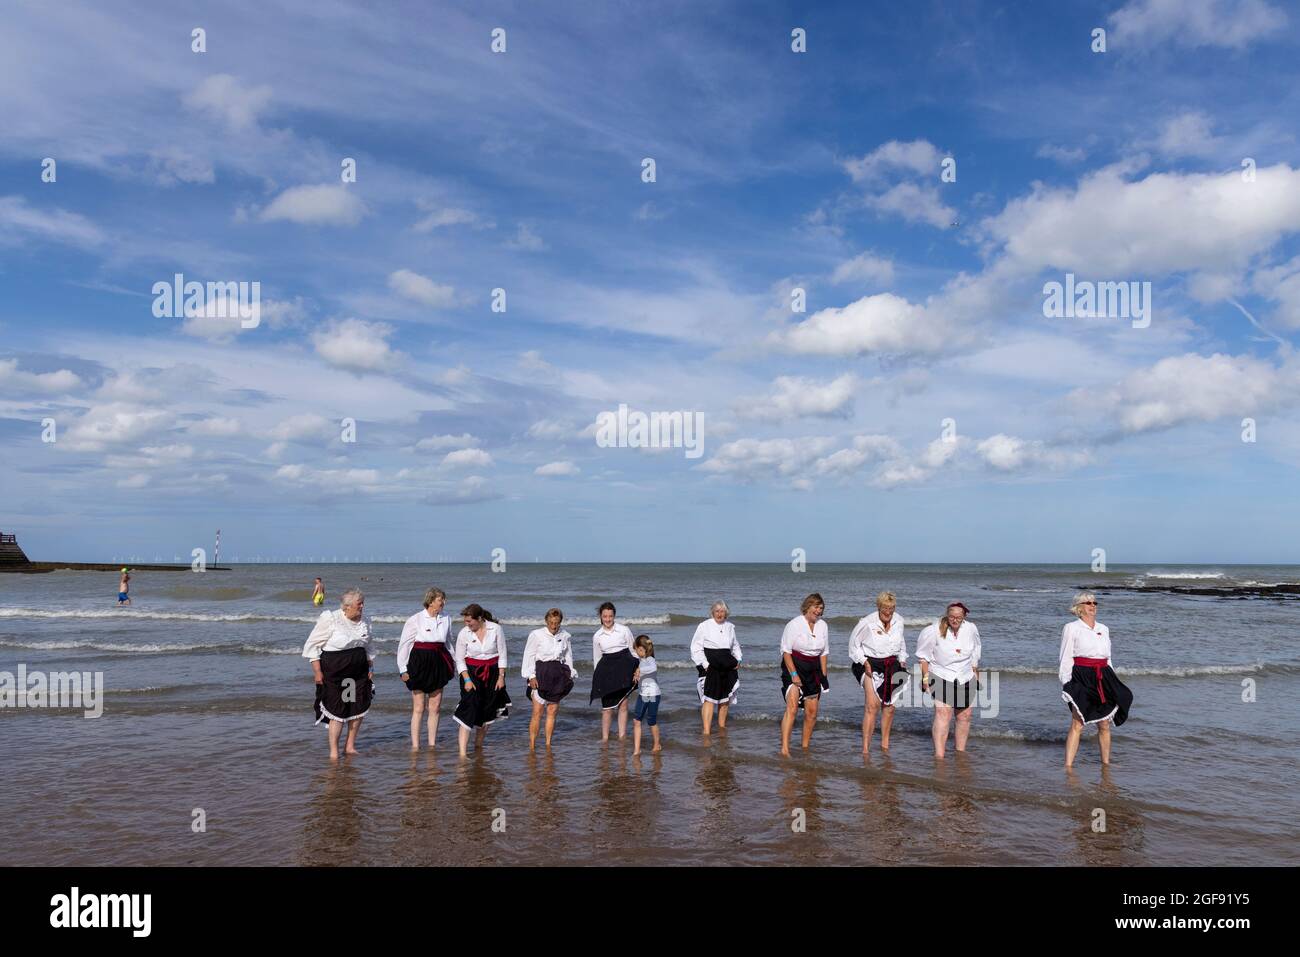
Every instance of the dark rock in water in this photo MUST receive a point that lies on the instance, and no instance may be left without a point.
(1282, 591)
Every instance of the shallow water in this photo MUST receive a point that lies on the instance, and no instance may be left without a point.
(207, 706)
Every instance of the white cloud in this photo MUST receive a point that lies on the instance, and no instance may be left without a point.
(306, 427)
(796, 397)
(916, 156)
(437, 443)
(233, 102)
(1188, 134)
(914, 204)
(139, 480)
(1195, 23)
(332, 480)
(216, 426)
(19, 221)
(15, 381)
(114, 424)
(422, 289)
(355, 344)
(556, 429)
(752, 459)
(322, 205)
(466, 458)
(526, 240)
(865, 267)
(446, 216)
(1062, 154)
(558, 469)
(873, 324)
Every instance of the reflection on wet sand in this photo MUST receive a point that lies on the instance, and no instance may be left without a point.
(1110, 830)
(884, 824)
(715, 786)
(956, 833)
(546, 815)
(804, 818)
(331, 829)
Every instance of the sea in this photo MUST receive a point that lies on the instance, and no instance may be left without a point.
(204, 752)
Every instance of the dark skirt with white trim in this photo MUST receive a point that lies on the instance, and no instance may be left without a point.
(954, 695)
(429, 669)
(721, 679)
(888, 677)
(810, 673)
(612, 682)
(486, 703)
(1110, 702)
(346, 691)
(554, 682)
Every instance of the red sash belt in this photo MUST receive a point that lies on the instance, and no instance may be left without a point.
(814, 659)
(1096, 664)
(481, 667)
(430, 645)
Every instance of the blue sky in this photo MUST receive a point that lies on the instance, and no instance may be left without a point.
(775, 170)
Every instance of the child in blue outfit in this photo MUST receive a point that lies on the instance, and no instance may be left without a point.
(647, 708)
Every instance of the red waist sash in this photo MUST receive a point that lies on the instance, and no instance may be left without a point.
(1096, 664)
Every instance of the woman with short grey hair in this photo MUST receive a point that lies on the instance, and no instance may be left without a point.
(716, 653)
(425, 662)
(1089, 685)
(344, 669)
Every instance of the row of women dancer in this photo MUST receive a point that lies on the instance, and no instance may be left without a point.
(948, 652)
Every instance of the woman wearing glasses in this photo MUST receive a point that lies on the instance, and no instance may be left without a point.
(949, 651)
(1089, 686)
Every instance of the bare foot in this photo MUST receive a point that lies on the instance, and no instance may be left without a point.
(334, 755)
(884, 745)
(352, 751)
(655, 748)
(636, 752)
(785, 752)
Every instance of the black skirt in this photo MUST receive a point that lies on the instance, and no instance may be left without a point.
(612, 682)
(485, 704)
(960, 696)
(810, 673)
(888, 677)
(554, 682)
(721, 680)
(346, 692)
(1095, 700)
(429, 669)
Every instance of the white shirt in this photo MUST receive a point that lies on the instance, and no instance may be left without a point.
(649, 686)
(1080, 641)
(334, 631)
(544, 646)
(491, 645)
(871, 639)
(610, 641)
(709, 634)
(421, 626)
(954, 658)
(797, 637)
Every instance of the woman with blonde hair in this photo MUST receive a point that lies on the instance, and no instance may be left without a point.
(1089, 686)
(949, 650)
(879, 654)
(805, 647)
(425, 662)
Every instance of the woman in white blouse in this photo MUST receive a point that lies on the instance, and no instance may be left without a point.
(615, 670)
(1089, 685)
(481, 664)
(344, 669)
(949, 651)
(425, 662)
(879, 654)
(548, 672)
(716, 653)
(805, 647)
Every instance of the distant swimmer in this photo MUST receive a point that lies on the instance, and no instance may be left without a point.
(1089, 686)
(123, 588)
(318, 594)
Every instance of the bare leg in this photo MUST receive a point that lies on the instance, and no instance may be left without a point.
(787, 719)
(353, 728)
(464, 741)
(939, 730)
(552, 710)
(605, 716)
(1072, 739)
(962, 731)
(435, 702)
(722, 716)
(636, 737)
(706, 715)
(1103, 735)
(622, 720)
(809, 719)
(534, 723)
(654, 733)
(479, 735)
(335, 730)
(869, 711)
(886, 722)
(418, 701)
